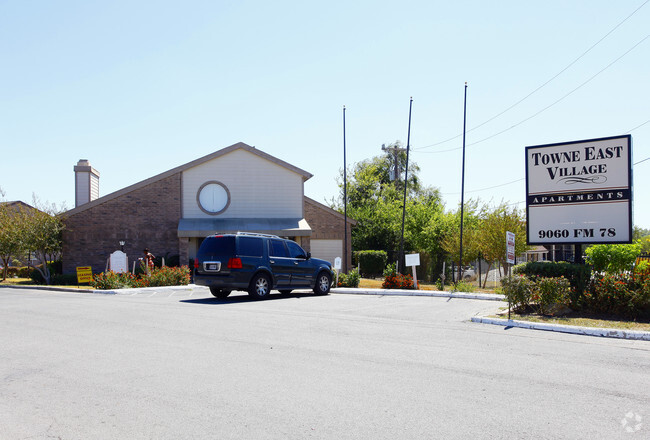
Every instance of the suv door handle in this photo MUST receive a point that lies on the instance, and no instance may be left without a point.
(272, 261)
(295, 262)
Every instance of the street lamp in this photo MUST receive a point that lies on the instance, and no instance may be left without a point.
(122, 242)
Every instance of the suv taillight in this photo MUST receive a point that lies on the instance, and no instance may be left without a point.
(234, 263)
(196, 263)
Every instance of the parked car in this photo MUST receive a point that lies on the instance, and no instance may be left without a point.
(469, 273)
(258, 263)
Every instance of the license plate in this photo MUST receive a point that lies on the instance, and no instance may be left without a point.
(212, 266)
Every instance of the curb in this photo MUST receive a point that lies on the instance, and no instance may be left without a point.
(56, 289)
(587, 331)
(105, 292)
(436, 293)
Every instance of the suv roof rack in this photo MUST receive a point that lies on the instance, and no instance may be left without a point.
(256, 234)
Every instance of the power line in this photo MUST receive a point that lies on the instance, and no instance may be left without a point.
(556, 101)
(539, 87)
(489, 187)
(647, 158)
(638, 126)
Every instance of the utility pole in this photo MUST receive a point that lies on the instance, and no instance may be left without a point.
(394, 150)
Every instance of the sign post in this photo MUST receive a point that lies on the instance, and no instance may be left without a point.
(413, 260)
(337, 267)
(510, 247)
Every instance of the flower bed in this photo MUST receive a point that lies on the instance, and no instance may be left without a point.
(164, 276)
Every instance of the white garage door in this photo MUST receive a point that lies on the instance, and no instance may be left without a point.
(327, 249)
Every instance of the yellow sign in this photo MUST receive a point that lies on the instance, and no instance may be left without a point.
(84, 274)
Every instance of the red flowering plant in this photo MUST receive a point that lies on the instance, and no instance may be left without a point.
(620, 294)
(395, 280)
(164, 276)
(112, 280)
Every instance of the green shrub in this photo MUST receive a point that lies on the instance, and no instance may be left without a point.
(551, 291)
(164, 276)
(578, 276)
(371, 263)
(518, 291)
(612, 258)
(169, 276)
(111, 280)
(462, 286)
(620, 294)
(66, 279)
(351, 279)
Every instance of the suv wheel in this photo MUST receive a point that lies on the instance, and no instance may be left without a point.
(323, 283)
(219, 293)
(260, 286)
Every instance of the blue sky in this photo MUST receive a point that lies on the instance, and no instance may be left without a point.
(141, 87)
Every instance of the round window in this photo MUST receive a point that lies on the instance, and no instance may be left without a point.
(213, 197)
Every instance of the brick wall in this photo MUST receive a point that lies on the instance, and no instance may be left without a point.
(327, 224)
(145, 217)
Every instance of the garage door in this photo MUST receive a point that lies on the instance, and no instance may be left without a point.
(327, 249)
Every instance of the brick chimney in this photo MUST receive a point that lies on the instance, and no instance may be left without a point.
(86, 183)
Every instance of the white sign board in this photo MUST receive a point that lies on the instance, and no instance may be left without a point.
(337, 263)
(510, 247)
(580, 192)
(412, 260)
(118, 262)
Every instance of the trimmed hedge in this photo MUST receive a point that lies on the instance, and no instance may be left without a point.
(371, 263)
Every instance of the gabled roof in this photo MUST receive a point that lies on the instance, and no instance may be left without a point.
(238, 146)
(17, 204)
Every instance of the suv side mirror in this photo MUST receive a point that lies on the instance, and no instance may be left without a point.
(308, 255)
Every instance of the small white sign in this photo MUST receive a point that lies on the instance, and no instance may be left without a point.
(412, 260)
(510, 247)
(118, 262)
(337, 263)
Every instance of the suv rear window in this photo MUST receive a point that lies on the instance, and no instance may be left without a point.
(217, 245)
(250, 247)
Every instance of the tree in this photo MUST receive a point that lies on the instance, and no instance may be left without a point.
(472, 217)
(639, 232)
(375, 202)
(10, 237)
(492, 233)
(42, 235)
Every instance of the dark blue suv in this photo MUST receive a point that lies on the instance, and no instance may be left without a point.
(258, 263)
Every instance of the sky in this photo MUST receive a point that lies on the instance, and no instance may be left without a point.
(138, 88)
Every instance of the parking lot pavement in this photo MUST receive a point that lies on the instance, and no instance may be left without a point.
(183, 364)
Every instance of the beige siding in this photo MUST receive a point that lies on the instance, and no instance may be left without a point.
(83, 192)
(94, 187)
(327, 249)
(258, 187)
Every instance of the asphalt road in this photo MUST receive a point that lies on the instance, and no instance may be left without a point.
(184, 365)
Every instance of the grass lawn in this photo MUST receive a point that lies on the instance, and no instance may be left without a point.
(29, 282)
(578, 319)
